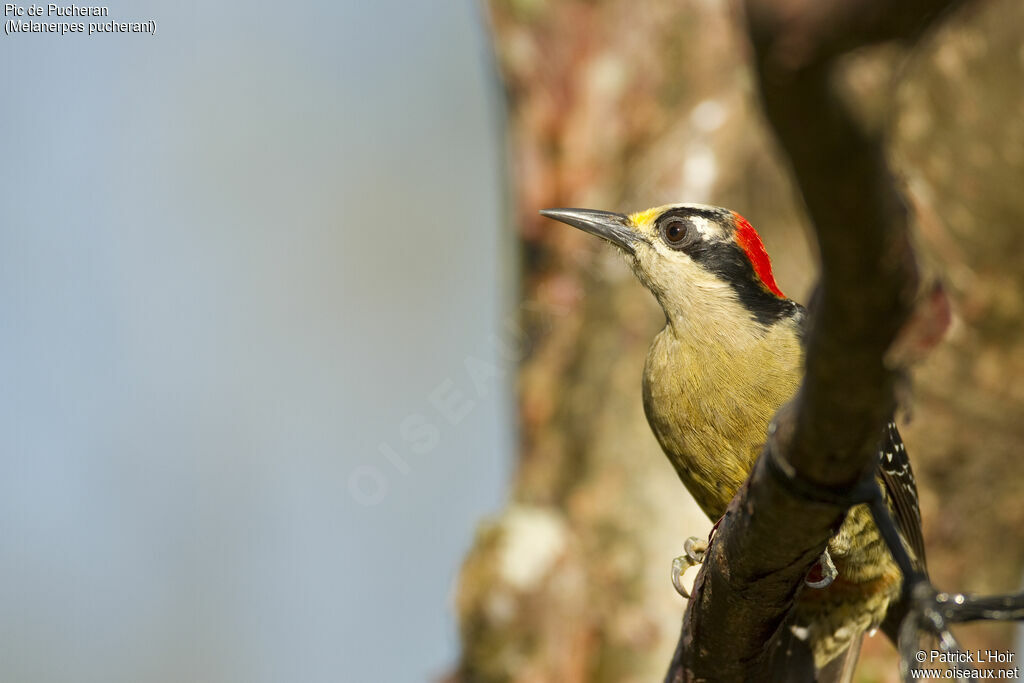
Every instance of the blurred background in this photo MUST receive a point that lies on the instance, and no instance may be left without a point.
(284, 343)
(624, 105)
(244, 266)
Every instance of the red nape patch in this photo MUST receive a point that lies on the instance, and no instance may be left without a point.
(750, 242)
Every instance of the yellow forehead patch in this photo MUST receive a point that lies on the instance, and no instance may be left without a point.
(642, 218)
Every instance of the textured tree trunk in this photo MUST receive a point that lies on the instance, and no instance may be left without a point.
(622, 105)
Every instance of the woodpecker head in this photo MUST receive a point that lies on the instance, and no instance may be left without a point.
(703, 263)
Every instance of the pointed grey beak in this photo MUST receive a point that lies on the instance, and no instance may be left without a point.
(614, 227)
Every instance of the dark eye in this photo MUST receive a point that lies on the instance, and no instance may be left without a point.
(674, 232)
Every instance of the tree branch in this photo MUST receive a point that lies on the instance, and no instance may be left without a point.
(825, 440)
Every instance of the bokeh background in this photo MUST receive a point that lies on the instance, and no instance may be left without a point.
(284, 343)
(241, 263)
(624, 105)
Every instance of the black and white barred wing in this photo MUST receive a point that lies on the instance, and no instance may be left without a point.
(901, 490)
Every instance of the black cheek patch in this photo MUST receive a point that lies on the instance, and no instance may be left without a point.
(728, 262)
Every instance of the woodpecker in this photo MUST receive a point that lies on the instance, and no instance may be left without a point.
(730, 354)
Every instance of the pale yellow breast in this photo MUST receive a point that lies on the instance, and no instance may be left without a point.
(709, 400)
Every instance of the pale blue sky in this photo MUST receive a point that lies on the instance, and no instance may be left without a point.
(236, 258)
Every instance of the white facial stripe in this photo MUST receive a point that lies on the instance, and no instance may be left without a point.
(707, 229)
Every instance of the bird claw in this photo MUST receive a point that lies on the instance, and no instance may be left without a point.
(694, 549)
(823, 573)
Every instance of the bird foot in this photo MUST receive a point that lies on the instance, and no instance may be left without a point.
(822, 573)
(694, 549)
